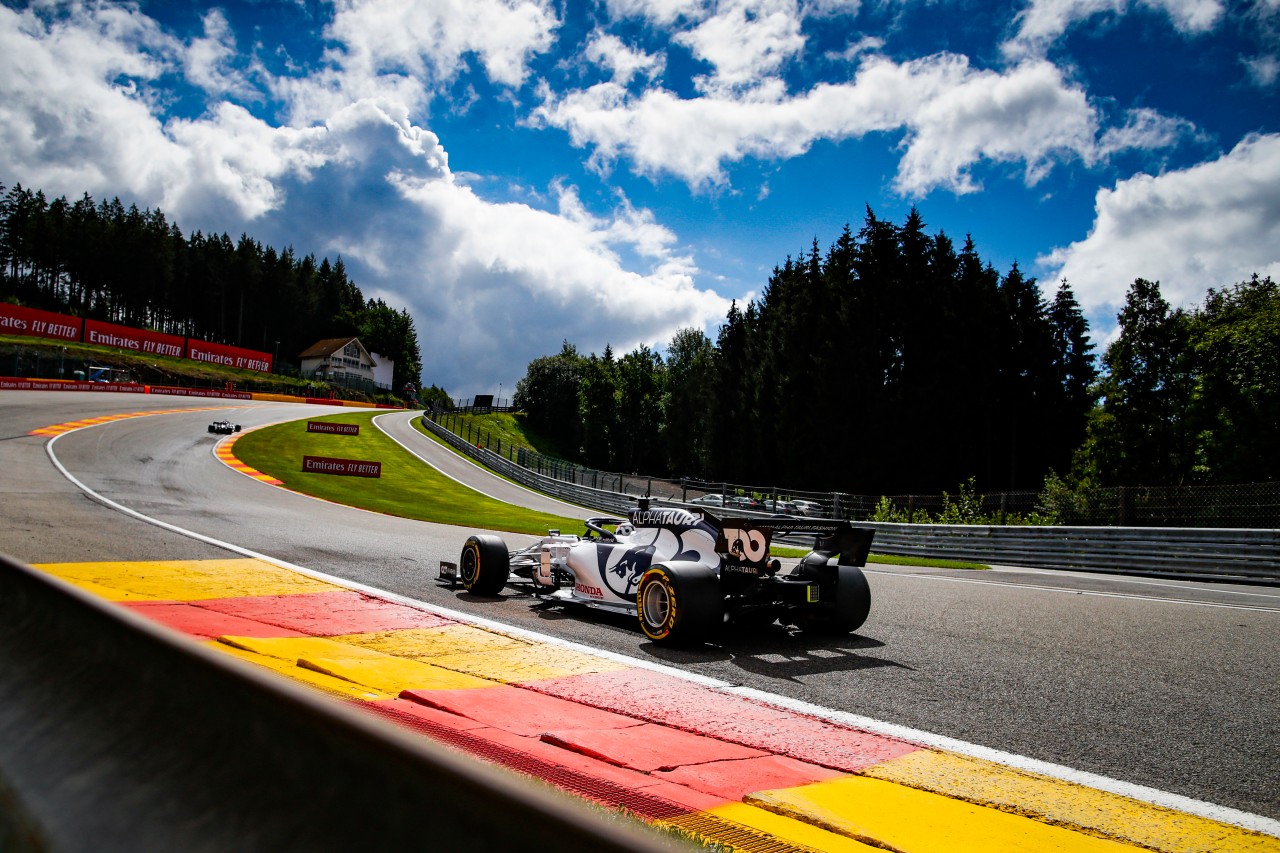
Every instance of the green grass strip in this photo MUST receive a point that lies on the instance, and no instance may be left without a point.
(889, 559)
(411, 489)
(407, 488)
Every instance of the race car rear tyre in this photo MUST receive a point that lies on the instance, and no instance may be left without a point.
(679, 602)
(484, 565)
(851, 608)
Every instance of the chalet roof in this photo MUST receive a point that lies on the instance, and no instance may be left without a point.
(327, 347)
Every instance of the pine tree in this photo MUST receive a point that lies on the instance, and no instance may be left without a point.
(1075, 372)
(1139, 435)
(686, 413)
(1236, 341)
(598, 410)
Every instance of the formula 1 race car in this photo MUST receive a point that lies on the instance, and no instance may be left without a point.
(684, 573)
(224, 427)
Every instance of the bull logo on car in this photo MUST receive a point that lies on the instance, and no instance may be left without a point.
(621, 568)
(621, 565)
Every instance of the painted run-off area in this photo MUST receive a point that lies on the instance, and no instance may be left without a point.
(723, 767)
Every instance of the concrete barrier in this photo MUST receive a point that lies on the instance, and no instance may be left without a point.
(119, 735)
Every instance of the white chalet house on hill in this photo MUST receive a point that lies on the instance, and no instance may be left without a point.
(337, 359)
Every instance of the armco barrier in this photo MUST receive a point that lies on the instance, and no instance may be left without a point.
(119, 735)
(605, 501)
(1202, 553)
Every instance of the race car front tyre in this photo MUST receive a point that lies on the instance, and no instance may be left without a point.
(484, 565)
(679, 602)
(851, 607)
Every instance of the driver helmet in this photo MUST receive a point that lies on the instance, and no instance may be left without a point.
(624, 529)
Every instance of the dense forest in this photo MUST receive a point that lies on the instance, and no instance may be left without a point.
(895, 363)
(133, 267)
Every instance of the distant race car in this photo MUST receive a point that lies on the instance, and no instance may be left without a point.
(226, 427)
(684, 573)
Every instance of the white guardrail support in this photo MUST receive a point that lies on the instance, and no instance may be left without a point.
(1197, 553)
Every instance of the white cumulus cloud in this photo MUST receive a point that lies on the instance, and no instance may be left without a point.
(952, 117)
(1209, 225)
(490, 285)
(1043, 22)
(622, 61)
(745, 41)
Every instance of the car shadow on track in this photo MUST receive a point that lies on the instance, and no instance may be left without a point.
(774, 651)
(830, 655)
(779, 652)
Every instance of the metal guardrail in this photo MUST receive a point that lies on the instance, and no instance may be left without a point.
(1198, 553)
(119, 735)
(1203, 553)
(615, 503)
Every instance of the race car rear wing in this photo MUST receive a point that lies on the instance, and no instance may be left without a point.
(748, 539)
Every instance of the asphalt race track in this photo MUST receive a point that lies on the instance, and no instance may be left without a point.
(1160, 683)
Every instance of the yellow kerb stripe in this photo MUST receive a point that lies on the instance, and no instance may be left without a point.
(183, 580)
(58, 429)
(1088, 810)
(895, 817)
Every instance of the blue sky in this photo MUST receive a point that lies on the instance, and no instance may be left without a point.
(517, 173)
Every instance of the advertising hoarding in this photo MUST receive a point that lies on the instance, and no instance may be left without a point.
(18, 320)
(333, 429)
(345, 467)
(138, 340)
(228, 356)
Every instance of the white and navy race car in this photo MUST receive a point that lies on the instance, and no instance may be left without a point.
(224, 427)
(684, 573)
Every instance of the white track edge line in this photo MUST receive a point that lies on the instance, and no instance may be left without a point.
(1154, 796)
(1096, 593)
(470, 462)
(1132, 790)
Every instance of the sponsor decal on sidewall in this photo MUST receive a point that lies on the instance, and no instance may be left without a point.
(656, 632)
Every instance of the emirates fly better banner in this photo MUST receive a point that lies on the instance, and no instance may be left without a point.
(229, 356)
(139, 340)
(31, 322)
(16, 320)
(343, 467)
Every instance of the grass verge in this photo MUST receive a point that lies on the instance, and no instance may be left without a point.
(410, 489)
(889, 559)
(407, 487)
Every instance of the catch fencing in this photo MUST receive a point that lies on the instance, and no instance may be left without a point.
(1251, 506)
(1195, 552)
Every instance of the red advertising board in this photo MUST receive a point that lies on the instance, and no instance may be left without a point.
(333, 429)
(201, 392)
(248, 359)
(16, 320)
(345, 467)
(139, 340)
(8, 383)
